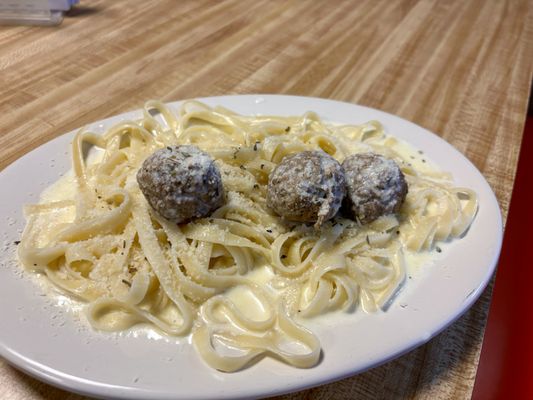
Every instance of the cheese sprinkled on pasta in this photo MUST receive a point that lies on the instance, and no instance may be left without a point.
(100, 241)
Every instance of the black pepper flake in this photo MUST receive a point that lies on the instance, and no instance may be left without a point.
(100, 197)
(123, 244)
(235, 153)
(420, 152)
(169, 148)
(124, 281)
(121, 253)
(367, 239)
(131, 269)
(423, 160)
(256, 186)
(410, 277)
(299, 310)
(397, 232)
(242, 167)
(269, 230)
(17, 242)
(283, 256)
(262, 166)
(288, 129)
(34, 265)
(211, 220)
(439, 250)
(255, 145)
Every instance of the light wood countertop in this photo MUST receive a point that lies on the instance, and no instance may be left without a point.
(461, 69)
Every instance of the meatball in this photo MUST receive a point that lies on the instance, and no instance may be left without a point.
(306, 187)
(375, 186)
(181, 183)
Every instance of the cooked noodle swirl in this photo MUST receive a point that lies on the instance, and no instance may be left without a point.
(105, 246)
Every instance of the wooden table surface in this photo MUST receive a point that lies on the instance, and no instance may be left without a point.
(461, 69)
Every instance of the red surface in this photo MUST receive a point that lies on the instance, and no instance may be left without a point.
(506, 365)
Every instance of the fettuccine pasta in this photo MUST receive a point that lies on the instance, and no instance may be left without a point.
(103, 244)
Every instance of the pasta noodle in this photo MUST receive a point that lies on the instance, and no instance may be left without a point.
(105, 246)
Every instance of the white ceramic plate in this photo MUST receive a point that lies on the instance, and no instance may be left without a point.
(41, 338)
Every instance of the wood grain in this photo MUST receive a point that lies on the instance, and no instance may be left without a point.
(461, 69)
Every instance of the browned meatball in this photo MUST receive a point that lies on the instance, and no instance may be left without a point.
(306, 187)
(181, 183)
(375, 186)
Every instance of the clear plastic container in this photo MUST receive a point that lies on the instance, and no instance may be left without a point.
(33, 12)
